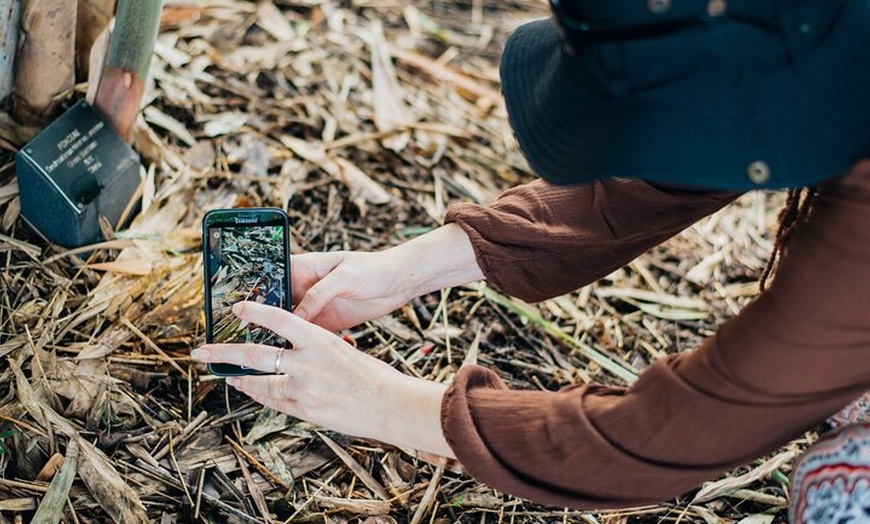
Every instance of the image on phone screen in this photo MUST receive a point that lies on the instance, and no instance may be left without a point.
(245, 263)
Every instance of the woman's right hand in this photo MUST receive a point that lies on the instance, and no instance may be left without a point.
(338, 290)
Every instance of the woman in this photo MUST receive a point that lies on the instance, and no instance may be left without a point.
(694, 103)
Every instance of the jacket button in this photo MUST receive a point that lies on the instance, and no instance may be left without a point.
(658, 6)
(758, 172)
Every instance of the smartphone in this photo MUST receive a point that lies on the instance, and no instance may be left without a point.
(246, 257)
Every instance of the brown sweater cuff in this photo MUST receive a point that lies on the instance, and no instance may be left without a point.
(538, 241)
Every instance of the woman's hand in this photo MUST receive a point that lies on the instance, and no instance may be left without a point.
(342, 289)
(326, 381)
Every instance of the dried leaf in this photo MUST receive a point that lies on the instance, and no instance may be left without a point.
(273, 20)
(34, 405)
(354, 466)
(485, 97)
(708, 516)
(380, 519)
(757, 519)
(149, 188)
(160, 119)
(274, 460)
(52, 505)
(360, 184)
(108, 487)
(688, 303)
(722, 487)
(19, 504)
(201, 156)
(256, 157)
(167, 49)
(473, 351)
(80, 382)
(357, 506)
(268, 422)
(106, 345)
(96, 60)
(8, 192)
(224, 123)
(10, 216)
(125, 267)
(244, 59)
(486, 499)
(390, 110)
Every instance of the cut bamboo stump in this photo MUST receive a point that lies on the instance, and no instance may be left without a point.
(45, 58)
(10, 14)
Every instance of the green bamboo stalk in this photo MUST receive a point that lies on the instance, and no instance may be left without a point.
(132, 45)
(618, 369)
(128, 58)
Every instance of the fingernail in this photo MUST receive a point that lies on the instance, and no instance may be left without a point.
(301, 313)
(200, 354)
(238, 307)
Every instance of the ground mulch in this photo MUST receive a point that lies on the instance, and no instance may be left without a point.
(365, 121)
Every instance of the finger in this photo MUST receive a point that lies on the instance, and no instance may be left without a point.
(278, 387)
(307, 269)
(255, 356)
(287, 406)
(317, 298)
(280, 321)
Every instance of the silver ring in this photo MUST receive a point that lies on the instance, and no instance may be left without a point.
(278, 360)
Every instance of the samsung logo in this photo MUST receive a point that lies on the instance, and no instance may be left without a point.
(241, 220)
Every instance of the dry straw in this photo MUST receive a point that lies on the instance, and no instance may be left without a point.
(364, 120)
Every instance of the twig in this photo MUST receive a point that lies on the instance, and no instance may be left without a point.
(23, 425)
(311, 498)
(253, 490)
(188, 430)
(150, 343)
(181, 481)
(358, 470)
(257, 464)
(428, 496)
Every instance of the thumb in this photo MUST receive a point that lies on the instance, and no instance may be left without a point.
(317, 298)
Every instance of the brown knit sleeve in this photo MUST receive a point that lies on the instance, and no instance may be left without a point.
(547, 447)
(538, 241)
(789, 359)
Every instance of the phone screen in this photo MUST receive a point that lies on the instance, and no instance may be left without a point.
(245, 262)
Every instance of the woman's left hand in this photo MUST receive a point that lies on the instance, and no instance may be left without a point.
(324, 380)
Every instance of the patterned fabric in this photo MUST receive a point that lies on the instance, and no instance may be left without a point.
(854, 413)
(831, 481)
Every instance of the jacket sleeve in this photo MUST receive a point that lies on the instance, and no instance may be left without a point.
(537, 241)
(797, 354)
